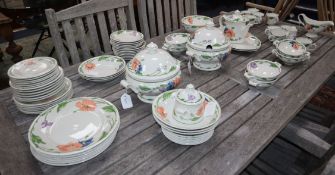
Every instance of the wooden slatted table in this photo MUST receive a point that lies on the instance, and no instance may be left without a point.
(250, 119)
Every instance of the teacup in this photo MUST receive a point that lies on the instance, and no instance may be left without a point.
(272, 18)
(292, 31)
(190, 105)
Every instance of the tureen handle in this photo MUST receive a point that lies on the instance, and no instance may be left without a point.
(276, 42)
(126, 85)
(278, 64)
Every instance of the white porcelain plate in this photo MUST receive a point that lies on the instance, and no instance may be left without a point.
(102, 66)
(163, 107)
(73, 126)
(32, 67)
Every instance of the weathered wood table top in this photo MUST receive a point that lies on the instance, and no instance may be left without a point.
(250, 119)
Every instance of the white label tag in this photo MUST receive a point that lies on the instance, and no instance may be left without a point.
(189, 66)
(210, 109)
(126, 101)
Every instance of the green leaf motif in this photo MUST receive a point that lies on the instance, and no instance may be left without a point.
(36, 140)
(206, 56)
(273, 65)
(184, 35)
(144, 88)
(167, 95)
(61, 105)
(119, 32)
(102, 58)
(194, 26)
(109, 109)
(217, 45)
(104, 134)
(172, 68)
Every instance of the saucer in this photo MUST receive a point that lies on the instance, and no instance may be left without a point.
(251, 43)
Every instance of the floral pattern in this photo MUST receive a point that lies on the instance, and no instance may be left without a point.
(202, 108)
(29, 62)
(295, 45)
(229, 33)
(308, 27)
(190, 20)
(90, 66)
(136, 66)
(86, 105)
(74, 146)
(161, 111)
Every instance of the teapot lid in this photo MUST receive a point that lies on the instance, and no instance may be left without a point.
(209, 38)
(153, 64)
(236, 16)
(190, 95)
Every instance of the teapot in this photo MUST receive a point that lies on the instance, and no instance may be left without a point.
(235, 26)
(312, 26)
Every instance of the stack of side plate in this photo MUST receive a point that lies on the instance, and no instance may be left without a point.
(37, 84)
(102, 68)
(127, 43)
(73, 131)
(181, 133)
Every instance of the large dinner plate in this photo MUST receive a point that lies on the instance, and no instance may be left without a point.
(73, 126)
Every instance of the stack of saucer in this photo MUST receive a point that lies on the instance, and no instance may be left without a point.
(291, 51)
(37, 84)
(102, 68)
(127, 43)
(262, 73)
(186, 116)
(175, 43)
(73, 131)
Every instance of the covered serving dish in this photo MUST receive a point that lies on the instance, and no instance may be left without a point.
(151, 72)
(208, 46)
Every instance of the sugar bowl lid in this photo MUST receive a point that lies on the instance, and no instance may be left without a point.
(235, 17)
(209, 38)
(153, 64)
(190, 95)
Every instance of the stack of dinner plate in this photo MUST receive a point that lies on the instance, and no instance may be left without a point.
(179, 124)
(102, 68)
(37, 84)
(262, 73)
(73, 131)
(127, 43)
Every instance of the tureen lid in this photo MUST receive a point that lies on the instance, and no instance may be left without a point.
(235, 17)
(209, 38)
(189, 95)
(153, 64)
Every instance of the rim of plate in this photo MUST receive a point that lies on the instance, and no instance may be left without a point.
(272, 64)
(81, 72)
(50, 59)
(78, 151)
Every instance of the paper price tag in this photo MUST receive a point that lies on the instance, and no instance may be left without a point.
(210, 109)
(126, 101)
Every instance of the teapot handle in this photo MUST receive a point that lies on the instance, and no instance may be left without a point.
(300, 19)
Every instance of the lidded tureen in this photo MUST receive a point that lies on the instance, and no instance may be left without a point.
(235, 26)
(208, 46)
(151, 72)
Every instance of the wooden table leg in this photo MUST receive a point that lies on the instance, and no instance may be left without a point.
(6, 31)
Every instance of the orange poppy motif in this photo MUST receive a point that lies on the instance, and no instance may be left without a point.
(135, 63)
(190, 20)
(295, 46)
(29, 62)
(202, 108)
(89, 66)
(177, 81)
(161, 111)
(73, 146)
(229, 33)
(308, 27)
(86, 105)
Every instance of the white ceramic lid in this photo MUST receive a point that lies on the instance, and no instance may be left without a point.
(189, 95)
(264, 68)
(33, 67)
(290, 47)
(209, 38)
(235, 17)
(153, 64)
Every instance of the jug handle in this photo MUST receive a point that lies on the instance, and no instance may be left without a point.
(220, 21)
(301, 21)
